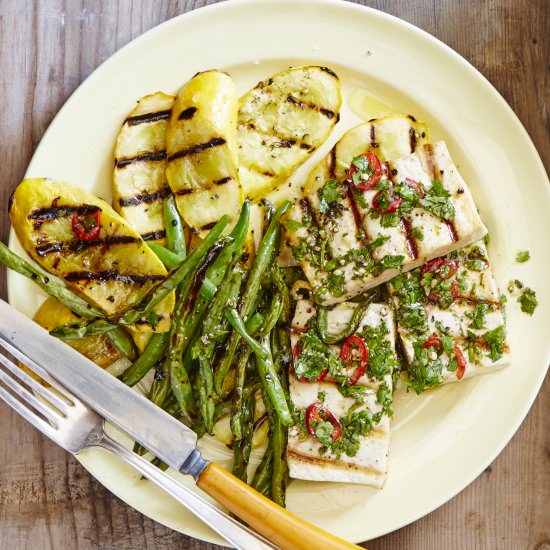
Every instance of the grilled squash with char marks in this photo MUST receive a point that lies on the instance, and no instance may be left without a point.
(281, 122)
(202, 150)
(110, 265)
(98, 348)
(139, 178)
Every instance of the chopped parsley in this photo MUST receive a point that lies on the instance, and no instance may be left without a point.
(292, 225)
(329, 195)
(495, 341)
(390, 262)
(478, 315)
(523, 256)
(425, 371)
(417, 234)
(436, 200)
(528, 300)
(314, 357)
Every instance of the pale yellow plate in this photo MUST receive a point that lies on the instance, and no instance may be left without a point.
(442, 440)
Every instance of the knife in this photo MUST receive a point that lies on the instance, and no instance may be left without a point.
(163, 435)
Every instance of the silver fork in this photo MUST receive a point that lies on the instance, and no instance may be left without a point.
(75, 427)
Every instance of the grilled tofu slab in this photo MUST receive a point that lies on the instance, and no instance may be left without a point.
(202, 150)
(139, 177)
(114, 269)
(348, 239)
(363, 410)
(281, 121)
(450, 319)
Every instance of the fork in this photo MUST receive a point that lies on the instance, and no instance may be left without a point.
(75, 427)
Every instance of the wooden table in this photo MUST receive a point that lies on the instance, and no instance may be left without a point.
(47, 500)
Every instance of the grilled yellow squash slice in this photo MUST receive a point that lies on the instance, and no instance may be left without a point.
(98, 348)
(281, 122)
(202, 150)
(113, 269)
(139, 178)
(389, 138)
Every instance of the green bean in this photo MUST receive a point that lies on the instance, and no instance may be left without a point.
(49, 285)
(236, 410)
(167, 257)
(242, 447)
(262, 476)
(264, 364)
(282, 289)
(175, 235)
(177, 276)
(322, 322)
(123, 342)
(261, 262)
(238, 325)
(228, 294)
(255, 322)
(76, 331)
(151, 355)
(214, 274)
(206, 391)
(273, 314)
(278, 438)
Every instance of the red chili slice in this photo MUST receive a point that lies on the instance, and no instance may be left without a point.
(461, 362)
(434, 266)
(346, 354)
(316, 413)
(375, 167)
(433, 342)
(454, 289)
(415, 185)
(392, 207)
(87, 226)
(295, 353)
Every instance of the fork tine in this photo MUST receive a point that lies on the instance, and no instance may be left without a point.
(25, 394)
(28, 415)
(36, 368)
(37, 387)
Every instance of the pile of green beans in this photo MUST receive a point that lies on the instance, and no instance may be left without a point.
(228, 346)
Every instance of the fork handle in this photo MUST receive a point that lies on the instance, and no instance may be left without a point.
(271, 520)
(240, 536)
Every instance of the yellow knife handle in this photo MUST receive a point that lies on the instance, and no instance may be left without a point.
(269, 519)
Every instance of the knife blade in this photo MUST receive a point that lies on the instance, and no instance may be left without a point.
(148, 424)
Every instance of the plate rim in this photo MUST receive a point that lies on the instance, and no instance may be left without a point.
(435, 42)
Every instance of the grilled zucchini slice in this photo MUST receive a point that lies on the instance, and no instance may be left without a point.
(139, 177)
(281, 122)
(114, 271)
(202, 150)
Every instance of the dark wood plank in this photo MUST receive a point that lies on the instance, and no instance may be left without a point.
(47, 48)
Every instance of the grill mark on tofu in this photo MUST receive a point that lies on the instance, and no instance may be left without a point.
(332, 163)
(54, 212)
(154, 235)
(187, 114)
(208, 226)
(110, 275)
(198, 148)
(412, 246)
(78, 245)
(312, 106)
(153, 156)
(148, 117)
(148, 198)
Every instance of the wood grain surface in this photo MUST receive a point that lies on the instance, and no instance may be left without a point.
(47, 500)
